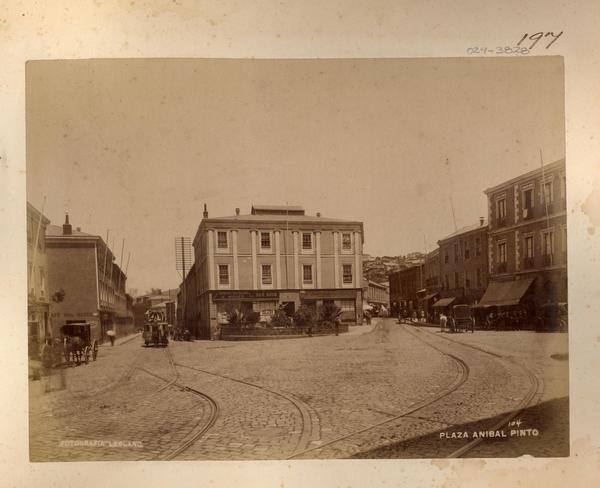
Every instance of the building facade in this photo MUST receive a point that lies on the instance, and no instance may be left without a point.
(527, 243)
(376, 294)
(38, 305)
(275, 257)
(85, 282)
(405, 287)
(463, 258)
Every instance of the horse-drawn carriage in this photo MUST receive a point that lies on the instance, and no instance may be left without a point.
(77, 342)
(462, 319)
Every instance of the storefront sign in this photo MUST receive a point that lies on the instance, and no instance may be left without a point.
(221, 296)
(328, 294)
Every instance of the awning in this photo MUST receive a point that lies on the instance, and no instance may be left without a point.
(443, 302)
(504, 293)
(430, 296)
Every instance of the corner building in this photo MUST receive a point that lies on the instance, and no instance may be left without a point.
(275, 256)
(81, 268)
(528, 239)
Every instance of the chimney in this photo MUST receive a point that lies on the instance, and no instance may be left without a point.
(67, 229)
(481, 221)
(318, 214)
(205, 213)
(237, 211)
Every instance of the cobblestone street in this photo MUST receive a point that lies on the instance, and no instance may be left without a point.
(369, 393)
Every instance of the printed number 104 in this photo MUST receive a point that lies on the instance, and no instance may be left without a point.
(539, 35)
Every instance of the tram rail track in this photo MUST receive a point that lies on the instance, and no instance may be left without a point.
(202, 427)
(527, 401)
(304, 411)
(459, 380)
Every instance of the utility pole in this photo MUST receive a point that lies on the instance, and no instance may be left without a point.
(546, 208)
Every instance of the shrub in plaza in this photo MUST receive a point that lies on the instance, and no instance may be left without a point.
(305, 316)
(235, 317)
(328, 315)
(251, 319)
(280, 319)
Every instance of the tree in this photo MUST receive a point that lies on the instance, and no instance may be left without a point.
(304, 316)
(280, 319)
(329, 313)
(251, 318)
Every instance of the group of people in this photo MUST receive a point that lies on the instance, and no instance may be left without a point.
(506, 319)
(414, 316)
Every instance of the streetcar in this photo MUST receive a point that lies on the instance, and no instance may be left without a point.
(156, 330)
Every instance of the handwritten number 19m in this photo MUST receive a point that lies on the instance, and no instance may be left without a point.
(539, 35)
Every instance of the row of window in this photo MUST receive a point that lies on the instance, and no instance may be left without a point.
(467, 280)
(265, 240)
(528, 199)
(529, 248)
(459, 251)
(267, 274)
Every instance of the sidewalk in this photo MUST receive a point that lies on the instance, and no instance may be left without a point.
(362, 329)
(122, 340)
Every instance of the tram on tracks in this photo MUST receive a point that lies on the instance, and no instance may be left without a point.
(156, 330)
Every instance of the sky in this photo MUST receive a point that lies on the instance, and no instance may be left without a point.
(137, 147)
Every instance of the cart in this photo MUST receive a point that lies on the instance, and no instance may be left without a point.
(78, 346)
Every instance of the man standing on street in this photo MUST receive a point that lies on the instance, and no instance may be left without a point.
(443, 321)
(111, 336)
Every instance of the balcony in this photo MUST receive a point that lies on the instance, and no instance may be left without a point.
(501, 268)
(528, 213)
(547, 260)
(501, 221)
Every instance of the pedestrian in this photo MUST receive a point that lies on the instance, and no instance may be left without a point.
(111, 336)
(423, 316)
(337, 326)
(443, 321)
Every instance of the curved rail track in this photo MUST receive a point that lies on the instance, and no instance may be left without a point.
(534, 390)
(202, 427)
(301, 407)
(462, 376)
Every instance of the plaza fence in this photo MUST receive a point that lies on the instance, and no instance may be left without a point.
(230, 331)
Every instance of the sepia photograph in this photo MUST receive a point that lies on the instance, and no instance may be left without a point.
(297, 259)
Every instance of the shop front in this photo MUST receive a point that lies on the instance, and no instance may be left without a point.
(266, 302)
(263, 302)
(349, 301)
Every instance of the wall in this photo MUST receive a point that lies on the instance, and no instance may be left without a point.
(72, 269)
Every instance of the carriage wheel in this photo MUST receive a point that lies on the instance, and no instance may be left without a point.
(95, 350)
(86, 354)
